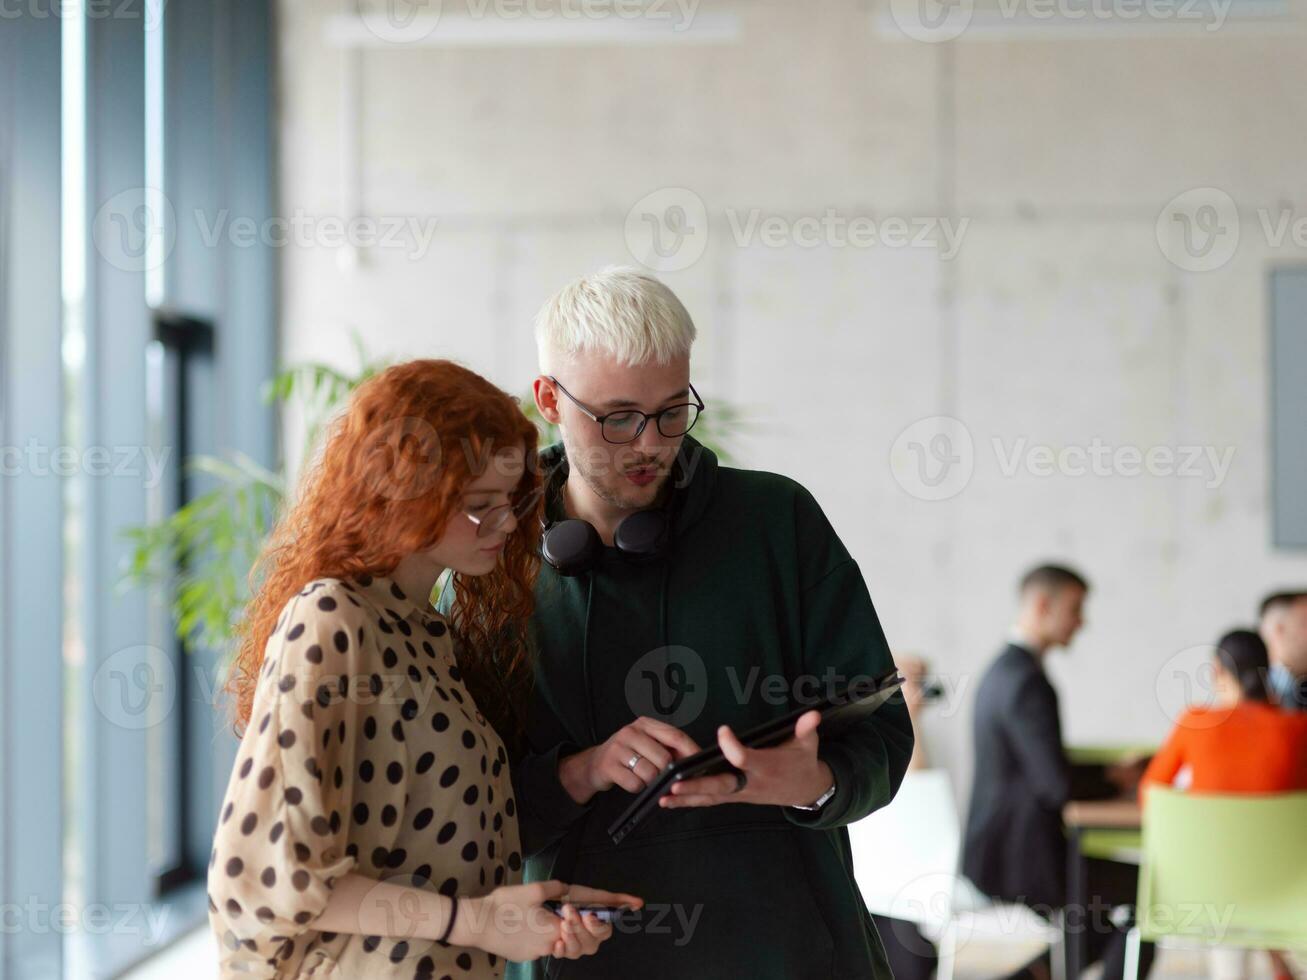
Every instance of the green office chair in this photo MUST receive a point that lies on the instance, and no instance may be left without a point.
(1222, 870)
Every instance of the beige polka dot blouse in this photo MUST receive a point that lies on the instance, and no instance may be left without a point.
(364, 753)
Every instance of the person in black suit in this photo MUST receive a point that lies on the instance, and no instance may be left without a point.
(1014, 848)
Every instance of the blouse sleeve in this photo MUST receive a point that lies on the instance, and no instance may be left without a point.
(297, 789)
(1168, 761)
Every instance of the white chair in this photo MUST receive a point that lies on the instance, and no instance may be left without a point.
(905, 860)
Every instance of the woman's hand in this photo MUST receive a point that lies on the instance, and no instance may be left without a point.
(651, 743)
(513, 922)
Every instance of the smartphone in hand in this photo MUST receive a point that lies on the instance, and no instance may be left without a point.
(604, 913)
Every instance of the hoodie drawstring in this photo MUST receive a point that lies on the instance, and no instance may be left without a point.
(585, 659)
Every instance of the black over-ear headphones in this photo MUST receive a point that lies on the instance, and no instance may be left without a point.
(573, 546)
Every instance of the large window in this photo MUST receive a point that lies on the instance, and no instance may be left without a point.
(32, 457)
(128, 341)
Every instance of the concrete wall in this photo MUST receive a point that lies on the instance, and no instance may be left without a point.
(1061, 321)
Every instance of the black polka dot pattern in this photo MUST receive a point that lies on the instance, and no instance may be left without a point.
(364, 754)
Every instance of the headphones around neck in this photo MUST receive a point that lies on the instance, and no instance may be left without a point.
(572, 546)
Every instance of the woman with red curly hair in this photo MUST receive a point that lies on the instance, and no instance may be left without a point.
(369, 827)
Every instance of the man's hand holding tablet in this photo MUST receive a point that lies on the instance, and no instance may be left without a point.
(636, 754)
(773, 763)
(789, 774)
(632, 758)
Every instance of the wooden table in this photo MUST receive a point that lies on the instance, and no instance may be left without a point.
(1122, 814)
(1106, 829)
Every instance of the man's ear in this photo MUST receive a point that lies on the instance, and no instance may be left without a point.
(546, 396)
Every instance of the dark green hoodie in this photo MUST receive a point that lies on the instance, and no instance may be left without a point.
(757, 592)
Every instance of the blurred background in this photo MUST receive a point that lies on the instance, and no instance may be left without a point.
(1000, 281)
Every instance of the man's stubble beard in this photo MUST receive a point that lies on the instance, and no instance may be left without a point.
(646, 496)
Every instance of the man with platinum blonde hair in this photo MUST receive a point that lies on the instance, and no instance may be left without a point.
(622, 311)
(681, 601)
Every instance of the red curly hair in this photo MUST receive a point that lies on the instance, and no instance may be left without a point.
(389, 477)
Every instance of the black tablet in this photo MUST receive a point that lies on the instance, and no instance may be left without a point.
(839, 709)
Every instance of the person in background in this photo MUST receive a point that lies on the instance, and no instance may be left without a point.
(1284, 629)
(912, 956)
(918, 689)
(1014, 847)
(1241, 743)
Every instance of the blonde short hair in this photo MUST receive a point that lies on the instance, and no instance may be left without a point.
(620, 311)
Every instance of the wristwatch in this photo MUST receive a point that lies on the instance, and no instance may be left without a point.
(818, 804)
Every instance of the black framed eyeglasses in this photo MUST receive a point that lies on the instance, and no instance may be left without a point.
(625, 425)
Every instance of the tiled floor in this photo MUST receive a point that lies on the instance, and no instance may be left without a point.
(194, 956)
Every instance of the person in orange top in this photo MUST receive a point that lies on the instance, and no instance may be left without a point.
(1241, 743)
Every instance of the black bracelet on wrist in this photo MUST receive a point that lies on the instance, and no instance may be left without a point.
(449, 926)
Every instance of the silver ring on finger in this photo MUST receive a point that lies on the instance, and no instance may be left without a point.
(634, 761)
